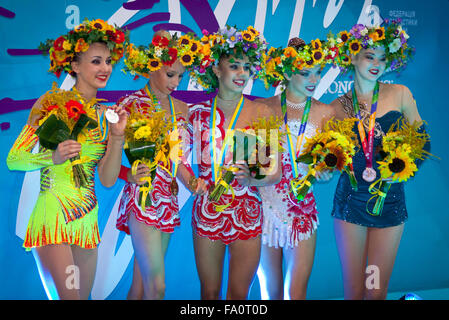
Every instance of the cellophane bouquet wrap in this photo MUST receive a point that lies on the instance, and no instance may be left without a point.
(401, 147)
(151, 140)
(328, 150)
(257, 146)
(65, 116)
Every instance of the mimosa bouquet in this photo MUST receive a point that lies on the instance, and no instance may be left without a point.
(254, 146)
(329, 150)
(151, 140)
(66, 116)
(401, 147)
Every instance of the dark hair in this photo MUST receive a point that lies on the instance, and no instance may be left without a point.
(296, 43)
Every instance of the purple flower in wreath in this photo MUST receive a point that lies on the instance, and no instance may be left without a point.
(394, 64)
(365, 43)
(403, 39)
(356, 30)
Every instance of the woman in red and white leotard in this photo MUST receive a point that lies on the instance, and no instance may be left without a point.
(238, 226)
(150, 229)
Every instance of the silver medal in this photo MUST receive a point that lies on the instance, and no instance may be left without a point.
(369, 174)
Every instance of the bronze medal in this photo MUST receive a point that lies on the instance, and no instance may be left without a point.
(174, 187)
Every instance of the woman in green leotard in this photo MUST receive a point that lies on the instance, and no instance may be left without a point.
(62, 230)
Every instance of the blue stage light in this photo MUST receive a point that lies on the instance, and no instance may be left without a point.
(410, 296)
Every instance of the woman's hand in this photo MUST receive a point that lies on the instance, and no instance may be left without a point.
(66, 150)
(118, 129)
(243, 175)
(197, 186)
(141, 172)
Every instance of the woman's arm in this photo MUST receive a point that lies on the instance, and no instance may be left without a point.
(410, 111)
(109, 166)
(20, 156)
(408, 105)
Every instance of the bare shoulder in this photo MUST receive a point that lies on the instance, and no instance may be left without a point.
(337, 108)
(180, 106)
(324, 108)
(260, 109)
(272, 103)
(396, 90)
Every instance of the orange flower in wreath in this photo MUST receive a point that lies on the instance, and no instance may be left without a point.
(81, 45)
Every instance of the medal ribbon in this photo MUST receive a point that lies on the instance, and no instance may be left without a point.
(154, 101)
(367, 144)
(157, 104)
(175, 162)
(294, 151)
(215, 165)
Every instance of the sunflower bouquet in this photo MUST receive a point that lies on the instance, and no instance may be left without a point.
(65, 116)
(329, 150)
(401, 147)
(147, 141)
(254, 146)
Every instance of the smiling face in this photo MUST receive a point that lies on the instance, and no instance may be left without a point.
(93, 67)
(232, 74)
(370, 63)
(165, 80)
(304, 82)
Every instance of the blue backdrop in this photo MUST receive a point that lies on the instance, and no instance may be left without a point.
(423, 257)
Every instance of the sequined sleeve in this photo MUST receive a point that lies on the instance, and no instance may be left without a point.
(20, 156)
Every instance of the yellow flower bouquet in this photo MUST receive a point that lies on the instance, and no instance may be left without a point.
(148, 141)
(401, 147)
(328, 150)
(66, 116)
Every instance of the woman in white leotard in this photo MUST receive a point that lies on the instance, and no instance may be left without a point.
(289, 226)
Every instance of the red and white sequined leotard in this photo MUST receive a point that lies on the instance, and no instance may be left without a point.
(243, 218)
(164, 212)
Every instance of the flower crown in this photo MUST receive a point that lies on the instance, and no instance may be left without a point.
(298, 55)
(62, 50)
(390, 35)
(162, 51)
(226, 42)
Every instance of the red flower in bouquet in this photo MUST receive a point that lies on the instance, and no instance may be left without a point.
(50, 108)
(74, 109)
